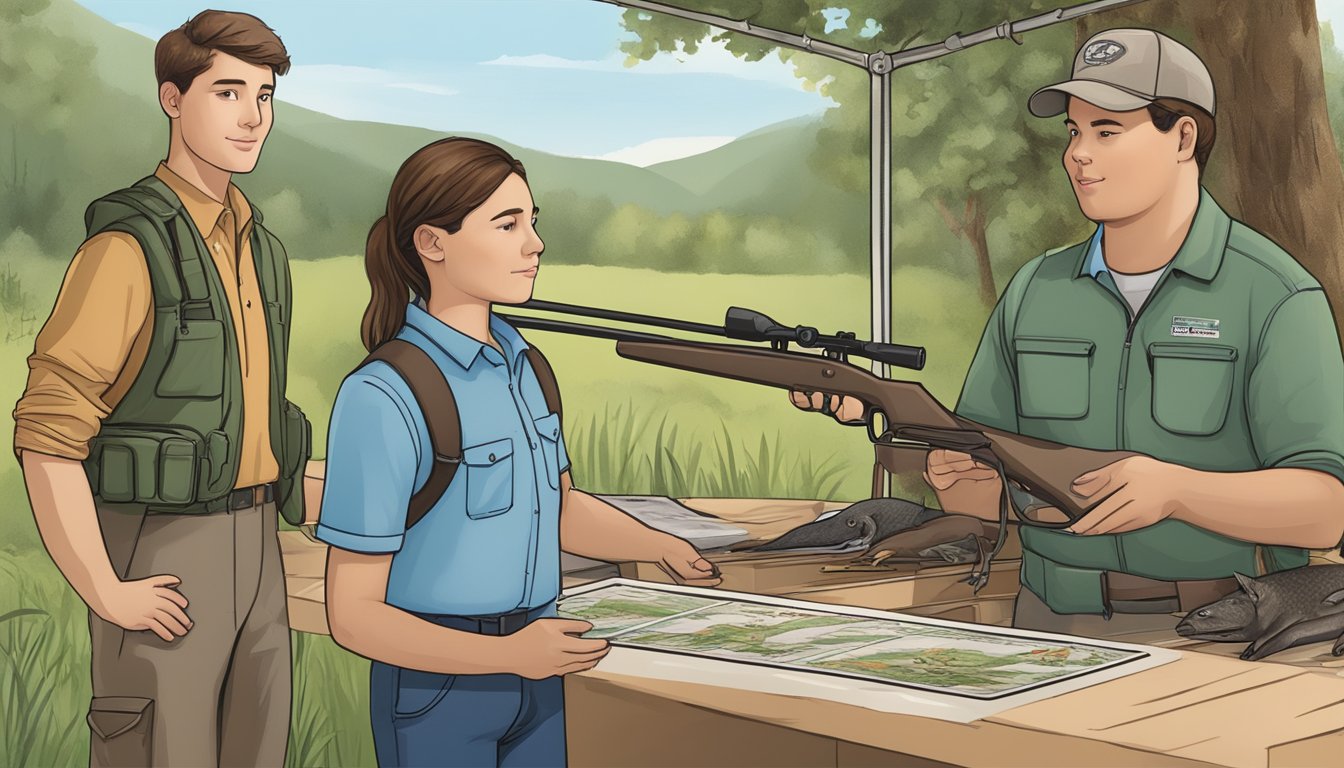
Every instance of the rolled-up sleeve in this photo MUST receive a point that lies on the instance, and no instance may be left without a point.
(372, 457)
(88, 351)
(1295, 395)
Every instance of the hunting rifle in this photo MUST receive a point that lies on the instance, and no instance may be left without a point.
(913, 417)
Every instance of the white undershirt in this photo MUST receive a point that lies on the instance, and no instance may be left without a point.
(1135, 288)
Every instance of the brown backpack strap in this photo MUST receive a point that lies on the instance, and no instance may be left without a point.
(428, 386)
(546, 378)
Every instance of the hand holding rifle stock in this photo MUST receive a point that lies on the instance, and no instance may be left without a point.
(913, 417)
(944, 471)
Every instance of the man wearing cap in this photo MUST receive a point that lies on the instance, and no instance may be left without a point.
(1174, 331)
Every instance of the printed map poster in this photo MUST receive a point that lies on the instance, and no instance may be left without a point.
(962, 671)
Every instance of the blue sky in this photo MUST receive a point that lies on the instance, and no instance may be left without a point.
(546, 74)
(542, 73)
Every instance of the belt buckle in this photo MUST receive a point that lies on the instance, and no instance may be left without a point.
(246, 498)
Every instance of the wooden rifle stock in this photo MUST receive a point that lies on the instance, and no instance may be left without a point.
(1044, 468)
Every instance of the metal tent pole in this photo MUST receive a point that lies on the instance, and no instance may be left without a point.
(879, 108)
(880, 65)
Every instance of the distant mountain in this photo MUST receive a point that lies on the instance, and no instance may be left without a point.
(323, 180)
(767, 172)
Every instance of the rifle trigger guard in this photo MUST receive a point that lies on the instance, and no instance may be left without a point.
(870, 421)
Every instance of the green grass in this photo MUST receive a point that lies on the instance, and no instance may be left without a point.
(629, 428)
(44, 678)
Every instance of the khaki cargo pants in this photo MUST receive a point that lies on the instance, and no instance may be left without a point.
(220, 695)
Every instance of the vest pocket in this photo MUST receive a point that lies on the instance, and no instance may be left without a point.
(296, 447)
(1053, 377)
(548, 428)
(1192, 386)
(195, 366)
(177, 470)
(489, 478)
(148, 466)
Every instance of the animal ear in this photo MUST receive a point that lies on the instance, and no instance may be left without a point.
(1335, 598)
(1248, 584)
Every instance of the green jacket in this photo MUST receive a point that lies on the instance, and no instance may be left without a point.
(1233, 364)
(172, 443)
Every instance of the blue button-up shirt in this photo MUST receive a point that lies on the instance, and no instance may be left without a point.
(492, 542)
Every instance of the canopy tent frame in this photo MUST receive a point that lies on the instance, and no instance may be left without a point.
(879, 65)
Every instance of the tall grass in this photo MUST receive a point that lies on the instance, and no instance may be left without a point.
(44, 678)
(618, 452)
(329, 721)
(44, 682)
(630, 428)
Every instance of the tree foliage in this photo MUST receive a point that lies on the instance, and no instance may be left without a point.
(965, 150)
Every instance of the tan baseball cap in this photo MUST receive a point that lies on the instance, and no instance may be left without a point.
(1126, 69)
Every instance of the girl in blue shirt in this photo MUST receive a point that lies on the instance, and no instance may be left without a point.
(457, 613)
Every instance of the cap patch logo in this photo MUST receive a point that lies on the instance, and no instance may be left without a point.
(1103, 52)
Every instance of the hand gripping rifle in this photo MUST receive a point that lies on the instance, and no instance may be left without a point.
(913, 418)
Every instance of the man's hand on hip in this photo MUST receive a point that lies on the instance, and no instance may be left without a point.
(147, 604)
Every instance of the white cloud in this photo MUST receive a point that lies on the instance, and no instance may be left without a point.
(546, 61)
(349, 91)
(437, 90)
(663, 150)
(711, 58)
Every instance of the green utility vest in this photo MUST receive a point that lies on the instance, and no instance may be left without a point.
(1232, 365)
(172, 444)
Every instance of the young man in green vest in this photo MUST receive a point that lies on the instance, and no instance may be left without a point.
(1174, 331)
(155, 438)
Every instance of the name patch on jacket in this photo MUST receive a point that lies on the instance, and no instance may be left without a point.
(1194, 326)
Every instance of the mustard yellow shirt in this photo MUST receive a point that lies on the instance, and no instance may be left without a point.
(93, 346)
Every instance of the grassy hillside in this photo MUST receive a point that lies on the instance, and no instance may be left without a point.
(84, 120)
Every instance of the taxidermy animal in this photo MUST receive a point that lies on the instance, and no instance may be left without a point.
(1275, 612)
(861, 524)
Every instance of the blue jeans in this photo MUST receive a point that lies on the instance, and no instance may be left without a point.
(428, 719)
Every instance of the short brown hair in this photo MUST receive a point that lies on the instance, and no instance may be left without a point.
(185, 52)
(1165, 113)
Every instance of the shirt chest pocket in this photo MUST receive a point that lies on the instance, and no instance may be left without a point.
(548, 429)
(1053, 377)
(1192, 386)
(489, 470)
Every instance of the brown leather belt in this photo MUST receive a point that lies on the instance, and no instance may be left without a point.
(1191, 594)
(253, 496)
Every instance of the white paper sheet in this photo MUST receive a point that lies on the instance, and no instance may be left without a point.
(670, 516)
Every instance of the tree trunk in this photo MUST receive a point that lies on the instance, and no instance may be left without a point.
(972, 227)
(977, 234)
(1274, 165)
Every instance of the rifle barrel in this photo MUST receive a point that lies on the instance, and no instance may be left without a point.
(624, 317)
(579, 329)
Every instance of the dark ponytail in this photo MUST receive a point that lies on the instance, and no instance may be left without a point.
(438, 185)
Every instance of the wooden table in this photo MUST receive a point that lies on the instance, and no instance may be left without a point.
(1207, 708)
